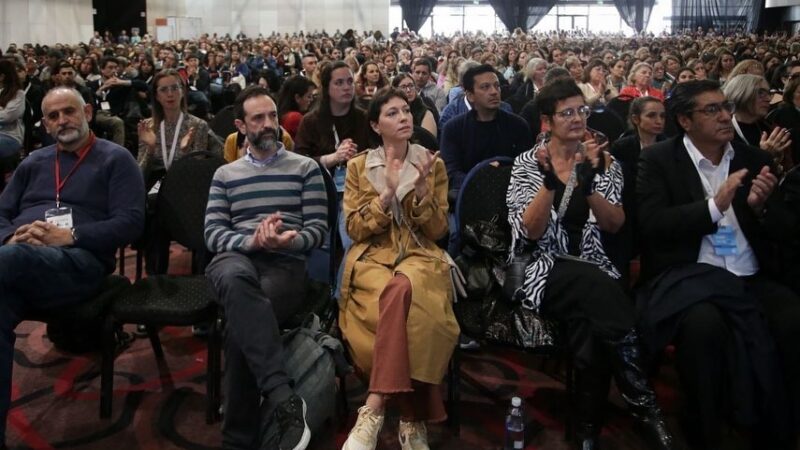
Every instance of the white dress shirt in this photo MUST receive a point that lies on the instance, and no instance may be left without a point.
(744, 262)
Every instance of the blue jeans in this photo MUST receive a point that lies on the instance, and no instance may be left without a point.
(346, 244)
(38, 277)
(9, 146)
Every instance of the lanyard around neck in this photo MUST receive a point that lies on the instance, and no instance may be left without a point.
(168, 158)
(82, 153)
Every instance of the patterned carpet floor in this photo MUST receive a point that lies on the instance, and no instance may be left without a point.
(160, 405)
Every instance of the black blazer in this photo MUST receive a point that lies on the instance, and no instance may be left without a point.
(673, 211)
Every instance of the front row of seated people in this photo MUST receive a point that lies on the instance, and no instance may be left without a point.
(706, 211)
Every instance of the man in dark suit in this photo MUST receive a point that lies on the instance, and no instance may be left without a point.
(708, 221)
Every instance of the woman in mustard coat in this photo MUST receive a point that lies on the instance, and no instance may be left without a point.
(396, 300)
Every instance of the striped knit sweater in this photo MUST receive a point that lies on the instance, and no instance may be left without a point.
(242, 195)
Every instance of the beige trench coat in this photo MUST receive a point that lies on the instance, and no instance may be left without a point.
(384, 245)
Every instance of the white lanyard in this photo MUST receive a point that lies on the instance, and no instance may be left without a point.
(168, 159)
(739, 130)
(335, 138)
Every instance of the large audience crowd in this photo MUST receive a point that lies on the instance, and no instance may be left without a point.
(678, 151)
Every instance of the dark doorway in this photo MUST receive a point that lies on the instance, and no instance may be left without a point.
(115, 16)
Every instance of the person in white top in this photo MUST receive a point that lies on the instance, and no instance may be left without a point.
(12, 108)
(708, 222)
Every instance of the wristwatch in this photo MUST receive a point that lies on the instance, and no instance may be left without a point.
(74, 234)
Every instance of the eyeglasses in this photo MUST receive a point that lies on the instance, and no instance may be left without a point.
(763, 93)
(567, 114)
(716, 108)
(170, 88)
(406, 87)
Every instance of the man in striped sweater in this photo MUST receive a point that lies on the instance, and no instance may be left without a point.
(265, 212)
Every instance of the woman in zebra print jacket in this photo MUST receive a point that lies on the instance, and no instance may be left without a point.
(562, 194)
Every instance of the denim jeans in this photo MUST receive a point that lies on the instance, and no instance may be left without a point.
(346, 244)
(38, 277)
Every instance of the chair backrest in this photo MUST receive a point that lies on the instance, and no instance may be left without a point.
(483, 192)
(330, 312)
(183, 197)
(425, 138)
(333, 214)
(621, 106)
(222, 123)
(607, 121)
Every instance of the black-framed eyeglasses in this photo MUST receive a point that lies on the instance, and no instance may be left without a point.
(567, 114)
(406, 87)
(716, 108)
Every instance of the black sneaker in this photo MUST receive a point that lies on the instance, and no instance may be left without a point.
(293, 431)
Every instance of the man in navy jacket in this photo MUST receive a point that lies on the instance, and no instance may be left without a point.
(67, 209)
(483, 132)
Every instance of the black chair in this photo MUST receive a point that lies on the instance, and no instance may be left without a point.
(7, 167)
(222, 123)
(621, 106)
(167, 300)
(425, 138)
(608, 122)
(328, 318)
(92, 310)
(483, 198)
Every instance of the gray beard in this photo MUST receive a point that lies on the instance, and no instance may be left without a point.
(265, 141)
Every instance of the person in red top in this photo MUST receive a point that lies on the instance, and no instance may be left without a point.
(640, 83)
(294, 100)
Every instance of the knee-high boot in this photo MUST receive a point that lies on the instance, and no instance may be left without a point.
(632, 382)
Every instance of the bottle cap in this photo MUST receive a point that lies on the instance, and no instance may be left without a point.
(516, 402)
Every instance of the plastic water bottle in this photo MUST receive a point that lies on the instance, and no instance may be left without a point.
(515, 426)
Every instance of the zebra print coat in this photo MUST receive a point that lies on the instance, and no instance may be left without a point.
(526, 180)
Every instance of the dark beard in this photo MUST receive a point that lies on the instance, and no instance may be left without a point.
(265, 141)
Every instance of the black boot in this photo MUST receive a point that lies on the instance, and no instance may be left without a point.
(632, 383)
(591, 387)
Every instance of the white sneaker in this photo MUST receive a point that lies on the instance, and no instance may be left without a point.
(413, 436)
(364, 435)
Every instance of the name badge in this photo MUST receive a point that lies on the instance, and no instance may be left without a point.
(724, 241)
(105, 106)
(155, 188)
(339, 175)
(60, 217)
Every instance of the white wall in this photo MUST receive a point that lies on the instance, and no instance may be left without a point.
(265, 16)
(71, 21)
(45, 21)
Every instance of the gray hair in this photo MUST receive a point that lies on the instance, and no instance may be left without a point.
(532, 64)
(464, 67)
(555, 73)
(64, 90)
(743, 90)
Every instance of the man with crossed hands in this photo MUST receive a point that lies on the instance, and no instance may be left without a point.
(65, 212)
(709, 226)
(265, 212)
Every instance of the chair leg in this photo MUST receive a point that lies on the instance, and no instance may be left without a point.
(155, 341)
(569, 386)
(454, 393)
(139, 264)
(122, 261)
(107, 368)
(214, 375)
